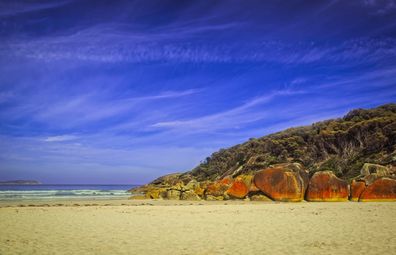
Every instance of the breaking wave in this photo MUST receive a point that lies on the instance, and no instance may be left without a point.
(34, 192)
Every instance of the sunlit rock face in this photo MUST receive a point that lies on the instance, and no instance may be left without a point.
(238, 189)
(382, 189)
(219, 188)
(357, 188)
(297, 168)
(326, 187)
(287, 182)
(280, 184)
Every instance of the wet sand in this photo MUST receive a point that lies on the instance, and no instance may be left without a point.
(182, 227)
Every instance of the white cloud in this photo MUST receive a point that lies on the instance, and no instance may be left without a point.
(60, 138)
(113, 42)
(381, 7)
(108, 154)
(89, 107)
(233, 118)
(9, 8)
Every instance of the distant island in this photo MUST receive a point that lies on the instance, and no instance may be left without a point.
(20, 182)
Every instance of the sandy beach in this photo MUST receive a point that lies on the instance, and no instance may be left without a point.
(175, 227)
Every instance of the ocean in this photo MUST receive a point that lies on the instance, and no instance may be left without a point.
(42, 191)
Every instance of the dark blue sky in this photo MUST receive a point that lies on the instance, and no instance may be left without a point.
(125, 91)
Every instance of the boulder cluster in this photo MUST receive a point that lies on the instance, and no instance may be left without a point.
(288, 182)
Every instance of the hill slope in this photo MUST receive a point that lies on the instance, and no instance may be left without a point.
(341, 145)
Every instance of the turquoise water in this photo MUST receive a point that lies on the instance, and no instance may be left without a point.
(32, 192)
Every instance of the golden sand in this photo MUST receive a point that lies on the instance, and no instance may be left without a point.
(174, 227)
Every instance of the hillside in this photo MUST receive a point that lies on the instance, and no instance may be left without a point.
(340, 145)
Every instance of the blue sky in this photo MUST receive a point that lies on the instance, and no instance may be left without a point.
(125, 91)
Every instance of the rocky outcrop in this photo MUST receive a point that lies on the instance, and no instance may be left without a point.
(148, 191)
(172, 191)
(280, 184)
(218, 188)
(375, 183)
(379, 170)
(173, 194)
(382, 189)
(371, 172)
(155, 193)
(287, 182)
(342, 145)
(238, 189)
(190, 191)
(189, 195)
(326, 187)
(357, 187)
(297, 168)
(194, 187)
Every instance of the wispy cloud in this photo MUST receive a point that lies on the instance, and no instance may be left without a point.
(166, 94)
(381, 7)
(112, 43)
(71, 111)
(230, 119)
(60, 138)
(124, 164)
(9, 8)
(375, 78)
(143, 88)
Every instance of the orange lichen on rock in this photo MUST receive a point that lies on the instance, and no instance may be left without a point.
(326, 187)
(248, 180)
(297, 168)
(218, 188)
(238, 189)
(226, 180)
(357, 187)
(280, 184)
(383, 189)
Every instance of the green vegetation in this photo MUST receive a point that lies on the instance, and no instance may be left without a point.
(341, 145)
